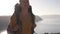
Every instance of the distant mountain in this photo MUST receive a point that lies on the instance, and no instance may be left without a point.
(4, 20)
(50, 16)
(38, 18)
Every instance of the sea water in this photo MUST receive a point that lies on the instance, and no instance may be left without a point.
(48, 24)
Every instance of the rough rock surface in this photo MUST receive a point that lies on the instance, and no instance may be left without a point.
(20, 23)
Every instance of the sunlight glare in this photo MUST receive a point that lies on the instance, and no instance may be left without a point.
(4, 32)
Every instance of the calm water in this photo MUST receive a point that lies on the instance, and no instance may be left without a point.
(50, 24)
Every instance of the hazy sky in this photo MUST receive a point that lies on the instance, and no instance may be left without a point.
(39, 7)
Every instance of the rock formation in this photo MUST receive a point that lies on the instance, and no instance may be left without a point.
(22, 21)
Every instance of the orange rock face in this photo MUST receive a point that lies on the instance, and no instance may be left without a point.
(27, 22)
(23, 20)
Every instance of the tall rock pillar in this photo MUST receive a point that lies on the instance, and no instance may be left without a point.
(23, 20)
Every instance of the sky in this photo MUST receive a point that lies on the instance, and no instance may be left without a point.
(39, 7)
